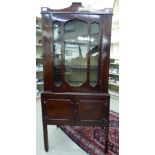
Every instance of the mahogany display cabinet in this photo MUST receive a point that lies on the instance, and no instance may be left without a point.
(76, 49)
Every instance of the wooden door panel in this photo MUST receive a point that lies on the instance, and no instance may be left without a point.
(59, 108)
(91, 110)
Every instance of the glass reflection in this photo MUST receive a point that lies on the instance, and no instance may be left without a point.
(76, 46)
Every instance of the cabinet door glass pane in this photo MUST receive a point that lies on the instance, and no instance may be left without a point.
(94, 54)
(76, 47)
(57, 53)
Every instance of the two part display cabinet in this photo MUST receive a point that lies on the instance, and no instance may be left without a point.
(76, 50)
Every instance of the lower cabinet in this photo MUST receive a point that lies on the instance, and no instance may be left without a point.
(75, 106)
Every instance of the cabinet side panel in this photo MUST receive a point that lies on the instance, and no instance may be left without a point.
(107, 21)
(47, 51)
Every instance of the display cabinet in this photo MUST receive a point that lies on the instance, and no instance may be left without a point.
(76, 46)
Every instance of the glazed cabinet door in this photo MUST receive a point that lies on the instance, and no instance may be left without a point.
(76, 52)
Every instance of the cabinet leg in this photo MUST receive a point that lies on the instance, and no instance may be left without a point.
(106, 133)
(45, 137)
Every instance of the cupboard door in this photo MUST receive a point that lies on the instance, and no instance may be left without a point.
(91, 109)
(59, 108)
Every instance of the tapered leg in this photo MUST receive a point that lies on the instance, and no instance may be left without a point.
(45, 137)
(45, 133)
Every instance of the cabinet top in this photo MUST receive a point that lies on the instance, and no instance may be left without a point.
(76, 8)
